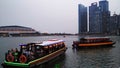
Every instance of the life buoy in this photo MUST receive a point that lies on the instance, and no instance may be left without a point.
(10, 58)
(23, 59)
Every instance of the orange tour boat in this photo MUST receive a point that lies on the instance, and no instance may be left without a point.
(93, 41)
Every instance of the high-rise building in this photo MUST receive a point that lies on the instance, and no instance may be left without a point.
(115, 23)
(99, 17)
(104, 5)
(94, 18)
(105, 16)
(82, 18)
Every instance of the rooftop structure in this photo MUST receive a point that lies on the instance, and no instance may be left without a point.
(16, 30)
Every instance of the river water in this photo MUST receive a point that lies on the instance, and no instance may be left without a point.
(83, 58)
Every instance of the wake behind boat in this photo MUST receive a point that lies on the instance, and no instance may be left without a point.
(33, 54)
(92, 42)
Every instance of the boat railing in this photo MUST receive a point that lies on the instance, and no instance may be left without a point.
(96, 40)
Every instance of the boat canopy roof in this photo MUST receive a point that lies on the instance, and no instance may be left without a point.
(50, 42)
(46, 43)
(94, 38)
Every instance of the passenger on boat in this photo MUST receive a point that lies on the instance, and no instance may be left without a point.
(15, 54)
(41, 53)
(12, 55)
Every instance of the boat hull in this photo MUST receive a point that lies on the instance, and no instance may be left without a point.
(96, 44)
(37, 61)
(91, 45)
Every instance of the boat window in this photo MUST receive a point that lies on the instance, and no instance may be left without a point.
(24, 49)
(63, 45)
(50, 49)
(33, 48)
(54, 47)
(23, 46)
(45, 47)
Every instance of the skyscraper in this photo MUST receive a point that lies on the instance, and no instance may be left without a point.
(105, 16)
(94, 18)
(115, 23)
(99, 17)
(104, 5)
(82, 18)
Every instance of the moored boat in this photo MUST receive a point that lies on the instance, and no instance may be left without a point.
(33, 54)
(92, 42)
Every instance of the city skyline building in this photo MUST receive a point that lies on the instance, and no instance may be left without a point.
(99, 17)
(115, 23)
(105, 16)
(15, 30)
(82, 19)
(94, 18)
(104, 5)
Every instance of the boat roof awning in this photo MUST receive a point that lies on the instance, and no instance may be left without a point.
(45, 43)
(50, 42)
(92, 38)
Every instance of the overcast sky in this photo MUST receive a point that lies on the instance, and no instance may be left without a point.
(46, 15)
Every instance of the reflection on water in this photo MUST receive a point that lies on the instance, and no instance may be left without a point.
(94, 57)
(105, 57)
